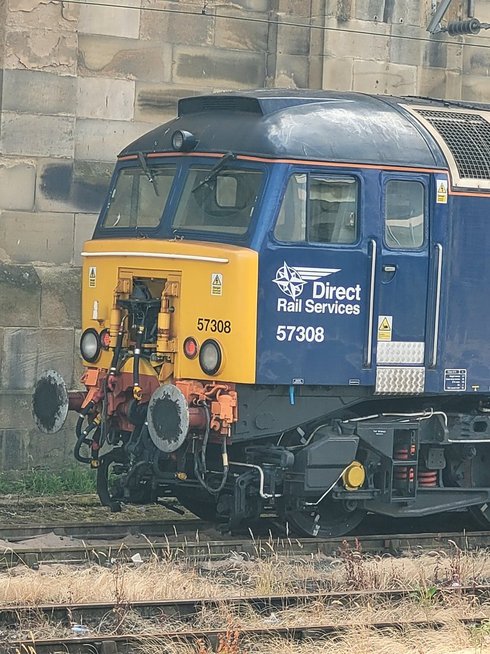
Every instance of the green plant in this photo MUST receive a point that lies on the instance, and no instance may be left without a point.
(73, 480)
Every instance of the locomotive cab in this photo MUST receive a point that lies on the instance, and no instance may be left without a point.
(269, 316)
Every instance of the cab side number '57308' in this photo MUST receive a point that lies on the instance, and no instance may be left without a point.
(299, 333)
(212, 325)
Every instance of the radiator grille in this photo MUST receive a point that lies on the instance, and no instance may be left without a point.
(467, 135)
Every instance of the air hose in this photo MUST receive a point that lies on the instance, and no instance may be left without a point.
(200, 466)
(82, 435)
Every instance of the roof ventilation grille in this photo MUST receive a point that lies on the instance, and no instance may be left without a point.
(467, 136)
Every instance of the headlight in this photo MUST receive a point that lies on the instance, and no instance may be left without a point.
(90, 345)
(210, 357)
(183, 141)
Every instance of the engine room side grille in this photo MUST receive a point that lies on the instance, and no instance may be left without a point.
(464, 137)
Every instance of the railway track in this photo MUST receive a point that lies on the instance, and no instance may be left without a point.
(102, 530)
(12, 616)
(195, 549)
(126, 643)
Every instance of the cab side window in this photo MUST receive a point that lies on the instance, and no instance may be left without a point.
(319, 209)
(404, 214)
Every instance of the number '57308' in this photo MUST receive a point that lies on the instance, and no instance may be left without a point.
(300, 333)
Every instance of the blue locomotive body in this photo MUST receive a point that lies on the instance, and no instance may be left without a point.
(371, 391)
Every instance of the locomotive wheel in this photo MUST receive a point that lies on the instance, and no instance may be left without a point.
(204, 509)
(331, 518)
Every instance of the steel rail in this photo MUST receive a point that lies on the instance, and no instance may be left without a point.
(126, 643)
(102, 530)
(201, 550)
(185, 608)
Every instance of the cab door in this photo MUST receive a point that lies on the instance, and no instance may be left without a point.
(314, 284)
(402, 274)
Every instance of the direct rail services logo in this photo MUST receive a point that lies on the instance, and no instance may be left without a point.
(292, 281)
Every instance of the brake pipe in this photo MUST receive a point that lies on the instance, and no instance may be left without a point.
(137, 390)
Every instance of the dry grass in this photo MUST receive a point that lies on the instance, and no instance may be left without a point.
(238, 576)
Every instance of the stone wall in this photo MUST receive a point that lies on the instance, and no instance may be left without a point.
(78, 81)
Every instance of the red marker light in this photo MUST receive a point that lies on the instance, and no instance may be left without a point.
(190, 347)
(105, 339)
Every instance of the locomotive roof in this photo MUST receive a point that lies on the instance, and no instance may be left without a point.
(300, 124)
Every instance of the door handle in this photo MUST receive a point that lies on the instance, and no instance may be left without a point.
(389, 268)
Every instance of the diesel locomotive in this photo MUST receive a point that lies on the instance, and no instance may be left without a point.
(284, 313)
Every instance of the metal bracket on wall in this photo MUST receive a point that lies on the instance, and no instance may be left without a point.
(435, 22)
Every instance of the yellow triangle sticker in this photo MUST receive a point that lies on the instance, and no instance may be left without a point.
(385, 325)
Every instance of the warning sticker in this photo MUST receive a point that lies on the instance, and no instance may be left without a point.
(92, 277)
(385, 328)
(441, 197)
(216, 284)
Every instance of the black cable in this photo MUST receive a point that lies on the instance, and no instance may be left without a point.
(279, 23)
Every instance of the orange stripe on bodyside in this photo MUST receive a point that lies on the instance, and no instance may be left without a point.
(304, 162)
(309, 162)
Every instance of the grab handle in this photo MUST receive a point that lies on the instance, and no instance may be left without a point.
(372, 281)
(437, 306)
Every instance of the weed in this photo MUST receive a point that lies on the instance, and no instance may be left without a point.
(74, 480)
(228, 643)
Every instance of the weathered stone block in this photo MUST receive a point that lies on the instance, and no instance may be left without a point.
(370, 10)
(42, 136)
(51, 452)
(65, 185)
(476, 61)
(13, 449)
(357, 44)
(293, 40)
(408, 13)
(439, 83)
(20, 296)
(15, 410)
(84, 229)
(39, 13)
(60, 296)
(408, 51)
(378, 77)
(107, 56)
(482, 10)
(435, 55)
(17, 185)
(111, 99)
(476, 89)
(187, 28)
(337, 74)
(102, 140)
(240, 34)
(28, 352)
(290, 71)
(212, 67)
(35, 92)
(19, 360)
(44, 237)
(56, 352)
(41, 49)
(116, 21)
(158, 102)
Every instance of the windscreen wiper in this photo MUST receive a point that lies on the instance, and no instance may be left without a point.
(147, 172)
(229, 156)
